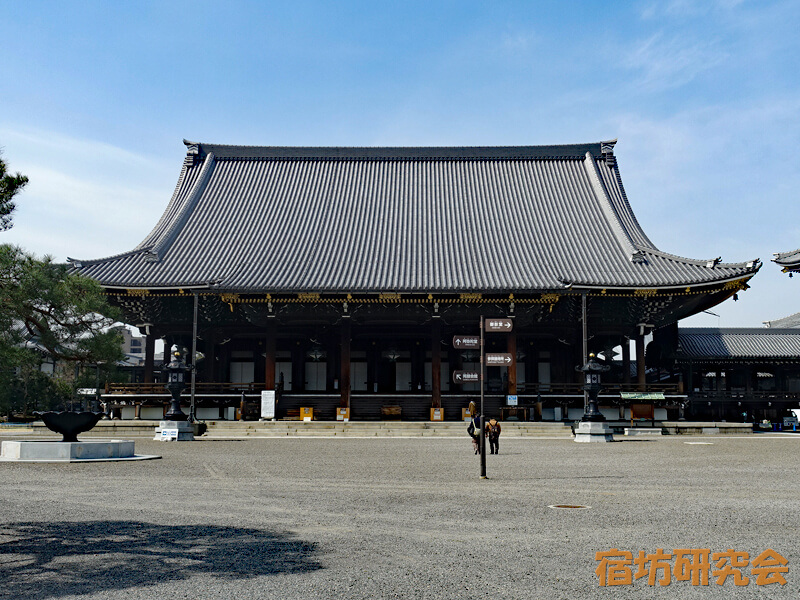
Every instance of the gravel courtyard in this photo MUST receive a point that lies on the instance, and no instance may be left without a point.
(395, 518)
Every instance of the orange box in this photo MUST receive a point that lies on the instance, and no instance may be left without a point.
(306, 413)
(342, 414)
(437, 414)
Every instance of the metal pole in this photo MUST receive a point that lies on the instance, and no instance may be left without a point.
(483, 425)
(194, 358)
(585, 348)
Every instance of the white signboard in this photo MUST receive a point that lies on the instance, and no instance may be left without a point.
(87, 391)
(268, 404)
(511, 400)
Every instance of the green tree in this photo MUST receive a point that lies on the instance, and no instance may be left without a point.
(9, 186)
(67, 314)
(46, 310)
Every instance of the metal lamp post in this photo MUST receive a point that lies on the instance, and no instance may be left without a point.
(591, 378)
(176, 382)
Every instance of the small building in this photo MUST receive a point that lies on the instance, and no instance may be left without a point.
(342, 277)
(737, 374)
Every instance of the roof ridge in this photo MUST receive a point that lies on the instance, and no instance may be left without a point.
(755, 264)
(165, 240)
(553, 151)
(77, 263)
(612, 216)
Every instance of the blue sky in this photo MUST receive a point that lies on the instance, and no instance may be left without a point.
(703, 95)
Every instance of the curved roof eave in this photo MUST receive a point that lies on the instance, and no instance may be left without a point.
(605, 186)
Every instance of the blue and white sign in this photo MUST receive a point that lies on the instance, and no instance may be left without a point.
(169, 435)
(511, 400)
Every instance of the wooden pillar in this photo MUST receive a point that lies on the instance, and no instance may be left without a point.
(210, 362)
(149, 357)
(298, 368)
(626, 360)
(436, 362)
(372, 368)
(269, 355)
(749, 373)
(512, 369)
(641, 377)
(344, 363)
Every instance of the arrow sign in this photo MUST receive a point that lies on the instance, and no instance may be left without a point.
(466, 341)
(499, 359)
(466, 377)
(505, 325)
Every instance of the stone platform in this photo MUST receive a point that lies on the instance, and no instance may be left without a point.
(593, 431)
(178, 431)
(54, 451)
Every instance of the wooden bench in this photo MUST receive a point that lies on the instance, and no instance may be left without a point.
(391, 412)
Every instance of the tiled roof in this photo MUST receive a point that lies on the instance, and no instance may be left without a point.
(785, 322)
(531, 218)
(790, 261)
(742, 343)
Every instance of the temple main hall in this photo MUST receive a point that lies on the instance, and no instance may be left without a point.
(342, 278)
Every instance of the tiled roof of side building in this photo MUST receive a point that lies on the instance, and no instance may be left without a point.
(531, 218)
(788, 322)
(742, 343)
(790, 261)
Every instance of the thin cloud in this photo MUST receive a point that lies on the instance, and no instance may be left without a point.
(668, 63)
(686, 8)
(85, 198)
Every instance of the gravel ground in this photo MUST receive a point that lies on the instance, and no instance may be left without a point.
(394, 518)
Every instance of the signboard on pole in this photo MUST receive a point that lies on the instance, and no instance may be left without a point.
(504, 325)
(466, 377)
(268, 404)
(499, 359)
(466, 341)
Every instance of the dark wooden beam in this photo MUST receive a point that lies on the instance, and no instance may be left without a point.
(511, 348)
(269, 354)
(641, 377)
(626, 360)
(344, 361)
(436, 362)
(149, 357)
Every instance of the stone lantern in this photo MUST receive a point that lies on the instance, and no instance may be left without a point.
(591, 385)
(176, 382)
(592, 426)
(175, 425)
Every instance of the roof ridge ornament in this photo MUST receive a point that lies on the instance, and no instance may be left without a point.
(607, 150)
(192, 153)
(639, 256)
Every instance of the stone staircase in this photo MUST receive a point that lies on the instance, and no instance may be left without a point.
(239, 429)
(122, 429)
